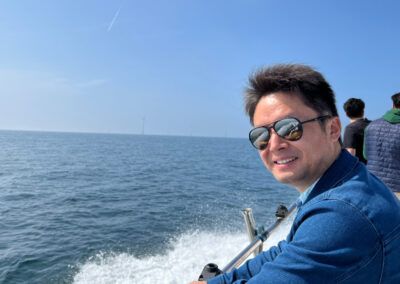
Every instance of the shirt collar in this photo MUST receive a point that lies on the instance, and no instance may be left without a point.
(303, 196)
(336, 174)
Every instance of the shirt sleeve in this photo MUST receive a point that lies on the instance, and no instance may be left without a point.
(331, 242)
(348, 138)
(365, 144)
(249, 269)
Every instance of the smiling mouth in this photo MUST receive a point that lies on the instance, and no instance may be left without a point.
(285, 161)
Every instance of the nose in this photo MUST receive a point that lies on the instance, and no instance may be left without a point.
(276, 142)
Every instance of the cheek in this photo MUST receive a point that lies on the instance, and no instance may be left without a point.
(264, 157)
(314, 150)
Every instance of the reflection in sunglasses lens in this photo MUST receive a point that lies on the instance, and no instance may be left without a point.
(288, 128)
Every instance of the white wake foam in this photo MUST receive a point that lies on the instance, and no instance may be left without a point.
(281, 231)
(180, 264)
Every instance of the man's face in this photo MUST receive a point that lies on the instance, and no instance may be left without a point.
(298, 163)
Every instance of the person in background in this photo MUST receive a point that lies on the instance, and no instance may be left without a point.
(353, 139)
(382, 146)
(346, 229)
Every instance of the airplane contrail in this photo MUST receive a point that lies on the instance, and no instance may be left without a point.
(114, 19)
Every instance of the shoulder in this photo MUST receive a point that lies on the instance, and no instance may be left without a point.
(332, 229)
(350, 126)
(345, 200)
(336, 219)
(362, 123)
(375, 123)
(372, 127)
(349, 131)
(336, 237)
(360, 204)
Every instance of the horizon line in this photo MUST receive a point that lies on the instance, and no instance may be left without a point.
(117, 133)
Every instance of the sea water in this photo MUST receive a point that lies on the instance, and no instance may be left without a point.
(108, 208)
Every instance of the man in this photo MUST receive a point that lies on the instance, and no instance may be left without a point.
(347, 226)
(353, 139)
(382, 147)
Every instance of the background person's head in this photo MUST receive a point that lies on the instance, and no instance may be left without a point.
(354, 108)
(295, 79)
(396, 100)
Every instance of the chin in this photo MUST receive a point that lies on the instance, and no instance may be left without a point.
(284, 179)
(289, 178)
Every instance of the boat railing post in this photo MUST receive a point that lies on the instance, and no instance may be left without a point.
(251, 228)
(261, 235)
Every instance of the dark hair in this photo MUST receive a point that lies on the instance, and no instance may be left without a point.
(396, 100)
(296, 79)
(354, 108)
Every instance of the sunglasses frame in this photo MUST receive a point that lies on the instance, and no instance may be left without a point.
(272, 126)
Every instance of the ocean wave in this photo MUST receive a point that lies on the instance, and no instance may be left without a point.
(182, 263)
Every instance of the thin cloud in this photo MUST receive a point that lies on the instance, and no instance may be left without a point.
(92, 83)
(41, 83)
(114, 19)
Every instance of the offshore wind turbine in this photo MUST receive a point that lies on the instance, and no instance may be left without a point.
(143, 121)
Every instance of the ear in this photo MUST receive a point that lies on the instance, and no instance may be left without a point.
(335, 128)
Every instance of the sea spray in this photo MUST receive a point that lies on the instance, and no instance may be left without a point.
(281, 232)
(181, 263)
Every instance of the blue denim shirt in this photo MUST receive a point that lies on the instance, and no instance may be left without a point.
(304, 195)
(346, 231)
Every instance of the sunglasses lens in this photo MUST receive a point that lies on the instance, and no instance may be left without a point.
(259, 137)
(289, 129)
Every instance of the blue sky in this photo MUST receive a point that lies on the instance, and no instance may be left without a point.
(181, 66)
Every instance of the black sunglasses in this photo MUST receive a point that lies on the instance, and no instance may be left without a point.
(289, 128)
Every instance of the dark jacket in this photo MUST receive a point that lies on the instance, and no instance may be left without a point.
(347, 231)
(382, 148)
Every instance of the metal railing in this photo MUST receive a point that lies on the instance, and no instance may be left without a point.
(257, 236)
